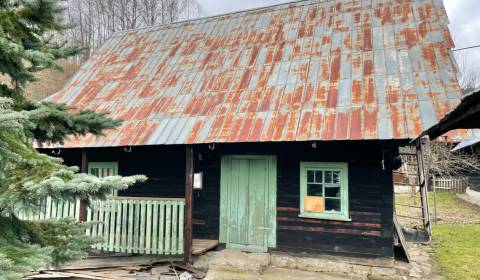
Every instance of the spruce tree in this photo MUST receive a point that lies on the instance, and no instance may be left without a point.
(28, 44)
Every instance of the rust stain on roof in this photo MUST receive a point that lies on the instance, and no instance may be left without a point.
(309, 70)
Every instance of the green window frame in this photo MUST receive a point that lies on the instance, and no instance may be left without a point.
(325, 178)
(104, 169)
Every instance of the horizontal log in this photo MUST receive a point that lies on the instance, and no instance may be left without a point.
(316, 221)
(331, 230)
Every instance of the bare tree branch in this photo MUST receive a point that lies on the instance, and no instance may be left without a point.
(97, 20)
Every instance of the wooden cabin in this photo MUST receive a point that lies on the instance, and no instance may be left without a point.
(270, 129)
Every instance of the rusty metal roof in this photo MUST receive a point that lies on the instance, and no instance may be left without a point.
(308, 70)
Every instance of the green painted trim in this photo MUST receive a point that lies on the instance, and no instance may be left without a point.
(344, 215)
(225, 167)
(272, 201)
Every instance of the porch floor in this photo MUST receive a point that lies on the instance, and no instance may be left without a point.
(200, 246)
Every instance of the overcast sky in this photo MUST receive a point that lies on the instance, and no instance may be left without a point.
(464, 18)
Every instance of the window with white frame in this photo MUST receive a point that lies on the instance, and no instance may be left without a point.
(324, 190)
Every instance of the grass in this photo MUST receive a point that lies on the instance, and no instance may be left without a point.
(457, 250)
(456, 233)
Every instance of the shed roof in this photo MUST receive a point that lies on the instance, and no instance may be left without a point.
(308, 70)
(464, 116)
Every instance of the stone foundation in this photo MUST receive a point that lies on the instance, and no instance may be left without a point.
(233, 264)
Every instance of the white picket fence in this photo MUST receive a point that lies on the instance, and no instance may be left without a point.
(56, 209)
(125, 224)
(456, 185)
(138, 225)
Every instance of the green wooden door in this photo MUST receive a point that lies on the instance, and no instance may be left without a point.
(248, 202)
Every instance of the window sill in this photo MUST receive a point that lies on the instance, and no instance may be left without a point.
(320, 216)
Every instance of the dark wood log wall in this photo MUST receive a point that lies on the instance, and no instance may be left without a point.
(370, 233)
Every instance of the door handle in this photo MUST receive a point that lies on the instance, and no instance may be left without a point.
(264, 228)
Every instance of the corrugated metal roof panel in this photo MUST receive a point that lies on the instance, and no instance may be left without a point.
(309, 70)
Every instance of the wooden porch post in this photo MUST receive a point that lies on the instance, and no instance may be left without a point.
(189, 170)
(83, 169)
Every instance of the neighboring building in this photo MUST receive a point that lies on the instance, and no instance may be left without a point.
(295, 114)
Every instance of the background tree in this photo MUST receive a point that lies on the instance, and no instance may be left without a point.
(443, 163)
(97, 20)
(470, 76)
(29, 43)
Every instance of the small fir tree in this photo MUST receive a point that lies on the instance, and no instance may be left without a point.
(27, 45)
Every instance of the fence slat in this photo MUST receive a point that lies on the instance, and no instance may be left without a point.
(161, 235)
(123, 244)
(180, 226)
(112, 226)
(141, 246)
(136, 234)
(148, 231)
(168, 227)
(118, 226)
(130, 226)
(174, 228)
(155, 221)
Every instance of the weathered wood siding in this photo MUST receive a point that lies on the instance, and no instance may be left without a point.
(370, 233)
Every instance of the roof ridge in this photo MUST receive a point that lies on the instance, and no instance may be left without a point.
(153, 27)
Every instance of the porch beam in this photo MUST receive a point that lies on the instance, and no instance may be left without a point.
(189, 170)
(83, 169)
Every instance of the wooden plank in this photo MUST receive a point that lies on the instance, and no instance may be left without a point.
(53, 213)
(42, 209)
(101, 217)
(180, 227)
(71, 213)
(111, 225)
(117, 261)
(94, 217)
(401, 237)
(49, 207)
(136, 227)
(189, 170)
(59, 209)
(106, 235)
(161, 236)
(118, 226)
(174, 227)
(168, 227)
(148, 231)
(272, 202)
(66, 207)
(77, 210)
(141, 243)
(130, 226)
(123, 245)
(155, 222)
(200, 246)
